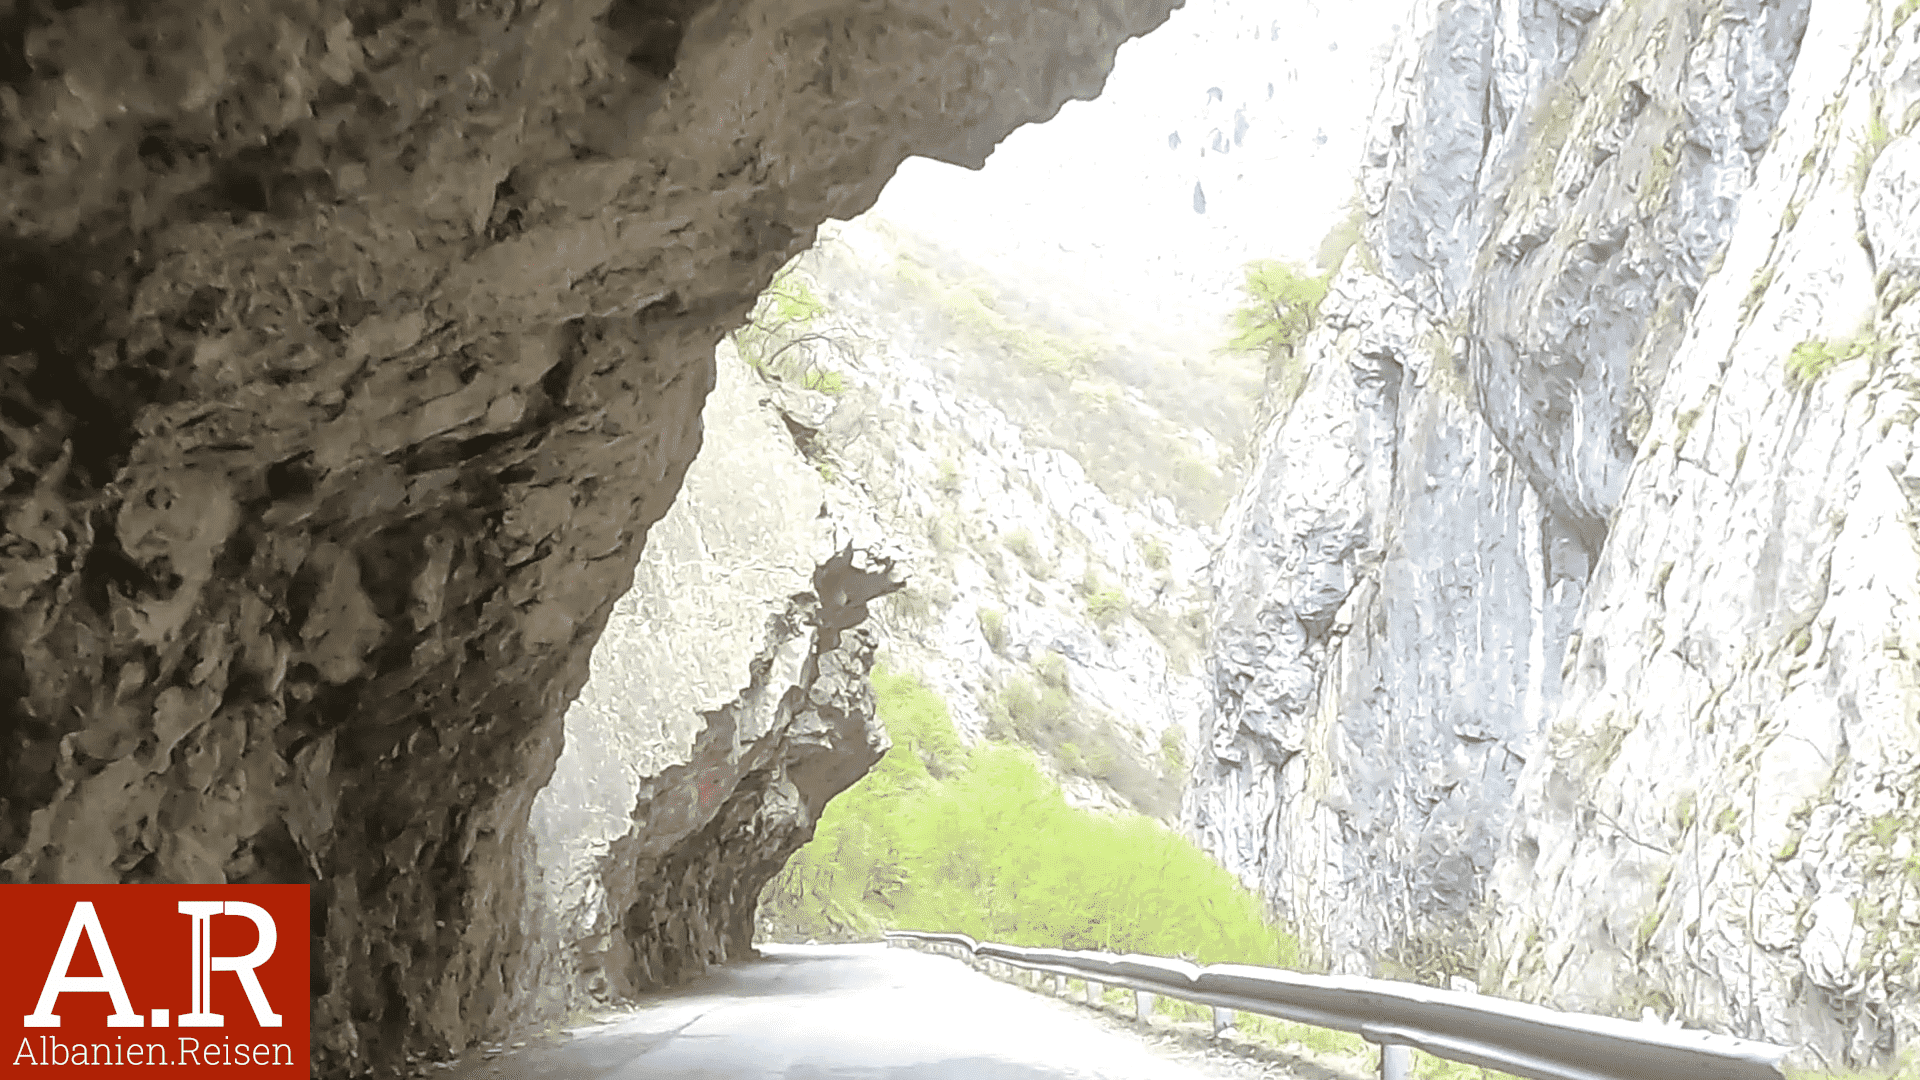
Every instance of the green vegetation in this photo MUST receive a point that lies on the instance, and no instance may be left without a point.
(1904, 12)
(1325, 1042)
(1173, 750)
(1762, 281)
(780, 333)
(1154, 550)
(1813, 358)
(1040, 711)
(980, 841)
(948, 482)
(1655, 187)
(1727, 821)
(1906, 1068)
(1884, 828)
(1107, 607)
(1283, 303)
(1871, 141)
(912, 605)
(1315, 1043)
(1430, 958)
(1106, 604)
(1643, 936)
(1789, 848)
(1024, 548)
(1282, 306)
(993, 627)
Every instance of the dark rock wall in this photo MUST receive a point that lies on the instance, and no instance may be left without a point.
(349, 351)
(727, 703)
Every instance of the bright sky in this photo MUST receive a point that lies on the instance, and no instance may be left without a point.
(1262, 104)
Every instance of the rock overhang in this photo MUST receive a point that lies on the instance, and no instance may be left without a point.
(352, 350)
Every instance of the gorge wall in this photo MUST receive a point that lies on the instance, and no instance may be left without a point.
(1056, 592)
(727, 701)
(351, 350)
(1567, 629)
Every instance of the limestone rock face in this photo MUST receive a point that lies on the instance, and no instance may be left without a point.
(1030, 561)
(727, 702)
(350, 351)
(1564, 630)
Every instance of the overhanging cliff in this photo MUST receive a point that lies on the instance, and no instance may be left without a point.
(350, 351)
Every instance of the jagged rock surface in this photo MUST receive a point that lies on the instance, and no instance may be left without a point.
(726, 704)
(1565, 634)
(351, 350)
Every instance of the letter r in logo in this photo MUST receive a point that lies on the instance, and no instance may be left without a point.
(205, 963)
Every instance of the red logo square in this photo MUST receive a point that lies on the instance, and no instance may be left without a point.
(200, 980)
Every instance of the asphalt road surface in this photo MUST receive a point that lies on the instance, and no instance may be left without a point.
(840, 1012)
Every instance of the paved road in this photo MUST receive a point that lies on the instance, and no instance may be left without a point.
(841, 1012)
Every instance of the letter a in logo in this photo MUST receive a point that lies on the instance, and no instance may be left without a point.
(84, 920)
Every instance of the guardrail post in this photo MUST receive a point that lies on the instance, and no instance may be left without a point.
(1143, 1009)
(1396, 1062)
(1094, 990)
(1222, 1020)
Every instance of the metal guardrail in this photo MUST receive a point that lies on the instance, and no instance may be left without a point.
(1494, 1033)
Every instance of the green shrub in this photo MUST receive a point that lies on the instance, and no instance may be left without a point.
(916, 718)
(911, 604)
(1155, 552)
(980, 841)
(1041, 712)
(993, 627)
(1813, 358)
(1024, 548)
(825, 381)
(1871, 141)
(1173, 750)
(1073, 759)
(1905, 1066)
(785, 310)
(1052, 670)
(1107, 606)
(1036, 713)
(783, 319)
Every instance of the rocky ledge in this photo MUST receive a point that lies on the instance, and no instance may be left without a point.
(351, 350)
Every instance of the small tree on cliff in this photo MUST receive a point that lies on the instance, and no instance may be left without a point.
(1282, 305)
